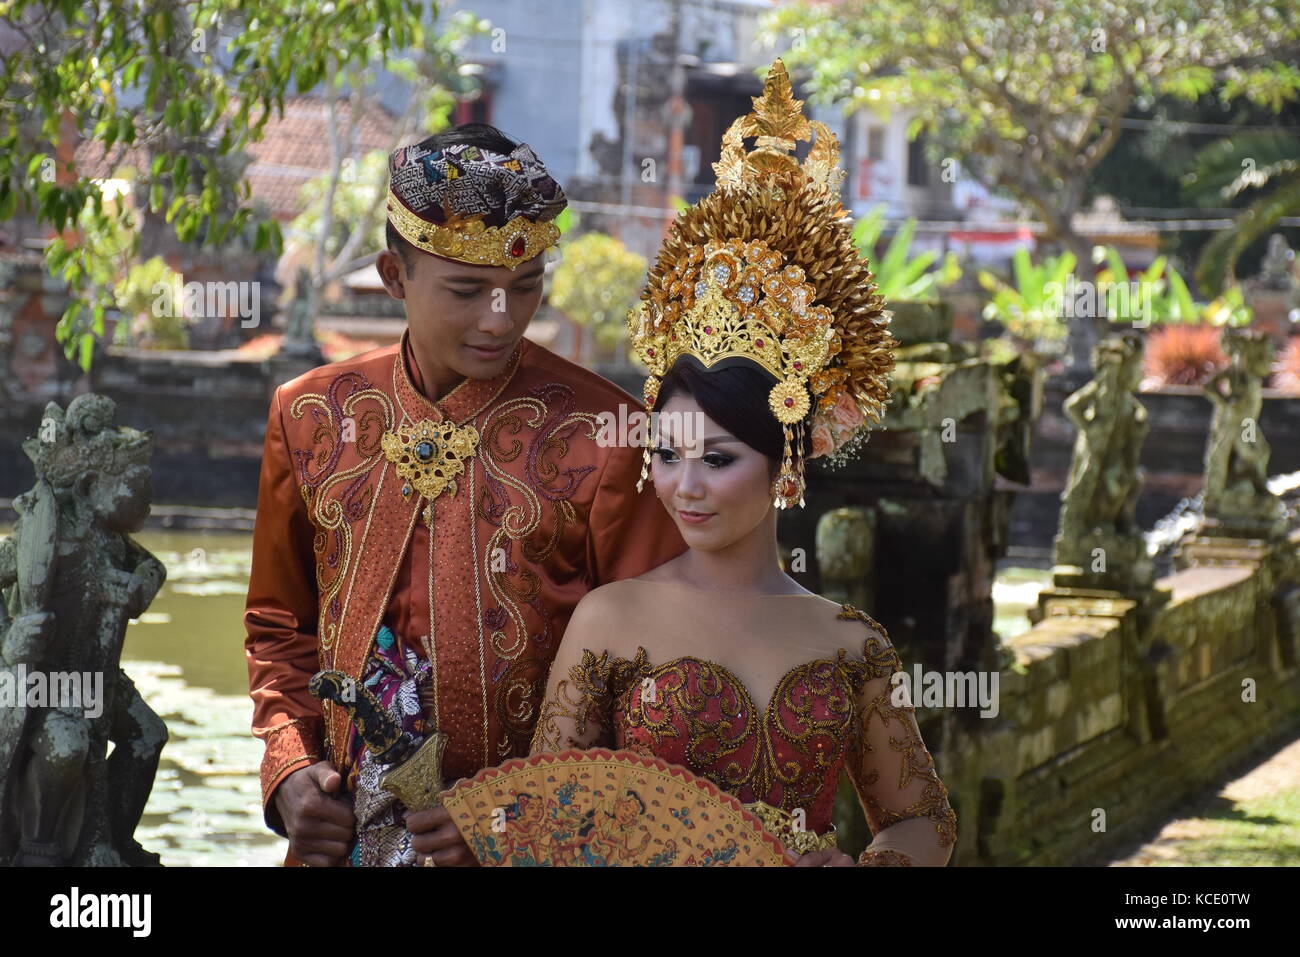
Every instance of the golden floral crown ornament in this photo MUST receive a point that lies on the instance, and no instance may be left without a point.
(764, 269)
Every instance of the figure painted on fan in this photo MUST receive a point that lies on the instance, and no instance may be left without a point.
(521, 840)
(612, 837)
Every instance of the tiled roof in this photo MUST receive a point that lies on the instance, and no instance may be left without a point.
(293, 150)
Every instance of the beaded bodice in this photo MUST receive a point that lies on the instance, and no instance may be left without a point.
(824, 716)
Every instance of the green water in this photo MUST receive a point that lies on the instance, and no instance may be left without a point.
(186, 655)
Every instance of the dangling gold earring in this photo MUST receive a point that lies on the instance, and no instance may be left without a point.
(787, 489)
(651, 394)
(645, 466)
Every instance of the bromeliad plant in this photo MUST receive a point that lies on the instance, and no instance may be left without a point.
(1030, 309)
(1170, 299)
(898, 275)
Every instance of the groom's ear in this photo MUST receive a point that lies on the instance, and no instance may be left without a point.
(392, 271)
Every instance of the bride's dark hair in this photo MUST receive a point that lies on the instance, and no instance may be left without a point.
(735, 397)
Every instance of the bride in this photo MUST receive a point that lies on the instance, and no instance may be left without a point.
(766, 347)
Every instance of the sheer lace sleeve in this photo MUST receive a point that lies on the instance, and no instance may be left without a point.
(576, 710)
(906, 803)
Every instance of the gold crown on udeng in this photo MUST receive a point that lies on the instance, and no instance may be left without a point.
(765, 269)
(469, 240)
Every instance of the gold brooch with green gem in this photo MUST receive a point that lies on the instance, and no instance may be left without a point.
(429, 455)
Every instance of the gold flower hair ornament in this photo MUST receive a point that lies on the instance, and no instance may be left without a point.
(765, 269)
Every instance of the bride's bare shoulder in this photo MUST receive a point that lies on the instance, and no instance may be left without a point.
(613, 600)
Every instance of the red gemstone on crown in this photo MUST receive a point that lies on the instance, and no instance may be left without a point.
(708, 330)
(798, 365)
(759, 343)
(518, 247)
(789, 403)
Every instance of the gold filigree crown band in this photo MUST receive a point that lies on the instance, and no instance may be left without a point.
(472, 242)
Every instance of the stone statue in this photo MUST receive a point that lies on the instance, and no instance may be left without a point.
(1275, 269)
(1236, 498)
(71, 578)
(1099, 538)
(299, 339)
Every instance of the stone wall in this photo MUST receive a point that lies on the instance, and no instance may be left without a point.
(1103, 713)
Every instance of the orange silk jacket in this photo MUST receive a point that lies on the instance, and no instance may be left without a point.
(484, 587)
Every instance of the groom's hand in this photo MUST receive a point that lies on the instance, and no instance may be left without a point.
(319, 822)
(433, 834)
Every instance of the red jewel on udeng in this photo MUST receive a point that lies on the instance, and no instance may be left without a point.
(518, 246)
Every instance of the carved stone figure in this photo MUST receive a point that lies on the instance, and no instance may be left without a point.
(71, 579)
(1098, 532)
(299, 339)
(1275, 268)
(1236, 494)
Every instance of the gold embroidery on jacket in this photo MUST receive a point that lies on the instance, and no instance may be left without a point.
(517, 507)
(338, 497)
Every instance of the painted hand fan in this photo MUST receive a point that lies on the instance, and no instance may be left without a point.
(599, 808)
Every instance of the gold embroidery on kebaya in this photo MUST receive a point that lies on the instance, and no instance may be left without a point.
(585, 697)
(883, 857)
(598, 687)
(881, 661)
(783, 824)
(800, 781)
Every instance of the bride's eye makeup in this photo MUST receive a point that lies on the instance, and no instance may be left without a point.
(715, 460)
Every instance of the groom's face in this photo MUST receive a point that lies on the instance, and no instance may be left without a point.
(465, 321)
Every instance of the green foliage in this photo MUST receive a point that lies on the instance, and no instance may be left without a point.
(898, 275)
(141, 324)
(1263, 166)
(1169, 296)
(354, 194)
(108, 245)
(1030, 309)
(187, 85)
(596, 283)
(1028, 96)
(1030, 305)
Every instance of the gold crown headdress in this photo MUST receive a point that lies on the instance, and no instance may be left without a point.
(765, 269)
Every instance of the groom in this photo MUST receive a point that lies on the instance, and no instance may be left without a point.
(448, 490)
